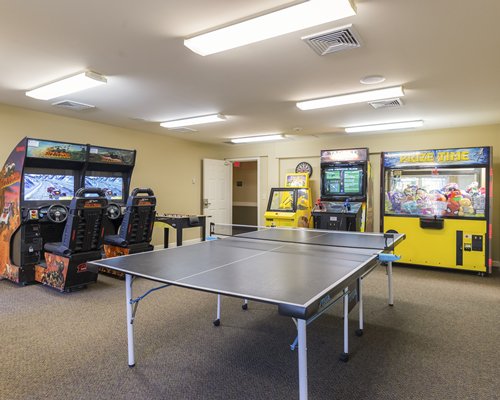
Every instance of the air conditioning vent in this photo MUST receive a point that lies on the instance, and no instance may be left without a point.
(333, 40)
(73, 105)
(388, 103)
(182, 129)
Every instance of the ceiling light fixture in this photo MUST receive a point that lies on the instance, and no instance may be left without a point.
(294, 18)
(385, 127)
(205, 119)
(372, 79)
(253, 139)
(352, 98)
(72, 84)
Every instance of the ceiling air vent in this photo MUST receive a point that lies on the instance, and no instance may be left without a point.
(333, 40)
(388, 103)
(182, 129)
(73, 105)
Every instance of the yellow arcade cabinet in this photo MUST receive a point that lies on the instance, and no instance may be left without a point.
(290, 205)
(344, 187)
(442, 201)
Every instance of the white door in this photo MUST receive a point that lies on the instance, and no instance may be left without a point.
(217, 191)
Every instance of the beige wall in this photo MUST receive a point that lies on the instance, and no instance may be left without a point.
(170, 165)
(165, 164)
(281, 157)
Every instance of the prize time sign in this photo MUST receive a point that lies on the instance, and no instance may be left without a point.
(462, 156)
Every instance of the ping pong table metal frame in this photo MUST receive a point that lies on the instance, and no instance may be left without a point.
(301, 323)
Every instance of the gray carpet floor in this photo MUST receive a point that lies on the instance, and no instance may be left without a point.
(439, 341)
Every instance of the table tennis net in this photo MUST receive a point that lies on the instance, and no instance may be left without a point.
(385, 242)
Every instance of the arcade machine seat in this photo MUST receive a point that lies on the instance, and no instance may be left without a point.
(66, 261)
(136, 229)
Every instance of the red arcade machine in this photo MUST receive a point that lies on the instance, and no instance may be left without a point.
(37, 185)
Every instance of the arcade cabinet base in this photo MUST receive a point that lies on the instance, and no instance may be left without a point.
(67, 274)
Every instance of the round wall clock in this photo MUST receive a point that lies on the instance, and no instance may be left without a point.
(304, 167)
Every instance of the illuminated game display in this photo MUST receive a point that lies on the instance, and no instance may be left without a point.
(112, 185)
(344, 187)
(39, 187)
(343, 181)
(441, 199)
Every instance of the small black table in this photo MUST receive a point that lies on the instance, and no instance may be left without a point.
(180, 222)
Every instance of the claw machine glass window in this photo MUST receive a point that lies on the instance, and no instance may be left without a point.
(441, 192)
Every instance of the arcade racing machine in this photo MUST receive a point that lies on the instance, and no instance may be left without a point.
(111, 170)
(442, 201)
(290, 205)
(37, 184)
(344, 188)
(65, 267)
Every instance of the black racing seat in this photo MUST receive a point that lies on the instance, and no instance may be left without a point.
(84, 227)
(136, 229)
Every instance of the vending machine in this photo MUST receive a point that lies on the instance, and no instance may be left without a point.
(442, 201)
(344, 188)
(290, 205)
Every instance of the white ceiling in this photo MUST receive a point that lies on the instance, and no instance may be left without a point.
(446, 53)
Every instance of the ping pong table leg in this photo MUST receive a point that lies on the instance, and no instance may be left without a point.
(217, 321)
(389, 281)
(345, 355)
(130, 320)
(302, 329)
(359, 332)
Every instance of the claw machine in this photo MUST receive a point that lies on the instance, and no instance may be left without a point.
(442, 200)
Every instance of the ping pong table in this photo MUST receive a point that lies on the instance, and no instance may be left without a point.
(302, 271)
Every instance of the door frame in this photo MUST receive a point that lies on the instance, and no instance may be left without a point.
(246, 159)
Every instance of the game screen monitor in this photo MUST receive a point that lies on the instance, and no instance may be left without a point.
(112, 185)
(342, 181)
(41, 187)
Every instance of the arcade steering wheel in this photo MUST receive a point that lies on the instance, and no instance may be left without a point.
(57, 213)
(113, 211)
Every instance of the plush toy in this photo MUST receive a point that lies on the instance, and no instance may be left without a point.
(396, 198)
(423, 202)
(473, 188)
(450, 187)
(453, 204)
(479, 202)
(465, 207)
(439, 203)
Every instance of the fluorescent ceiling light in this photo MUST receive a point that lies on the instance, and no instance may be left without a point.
(385, 127)
(294, 18)
(253, 139)
(205, 119)
(352, 98)
(75, 83)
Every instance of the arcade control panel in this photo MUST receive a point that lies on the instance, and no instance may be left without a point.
(46, 221)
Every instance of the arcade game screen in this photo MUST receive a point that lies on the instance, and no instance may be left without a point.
(39, 187)
(342, 181)
(112, 185)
